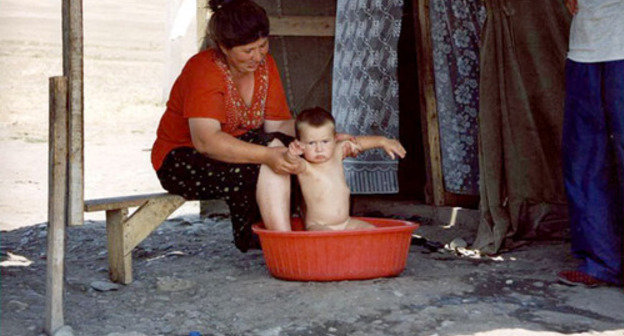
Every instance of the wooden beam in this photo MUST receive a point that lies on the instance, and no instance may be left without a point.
(202, 20)
(73, 70)
(302, 25)
(115, 203)
(280, 25)
(147, 218)
(431, 128)
(57, 184)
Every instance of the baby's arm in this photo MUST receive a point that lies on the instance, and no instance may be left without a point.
(392, 147)
(293, 155)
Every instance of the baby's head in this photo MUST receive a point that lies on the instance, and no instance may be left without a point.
(315, 129)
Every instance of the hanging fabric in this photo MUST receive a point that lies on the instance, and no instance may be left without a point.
(523, 51)
(365, 87)
(455, 38)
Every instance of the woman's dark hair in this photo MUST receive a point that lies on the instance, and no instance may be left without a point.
(315, 117)
(236, 22)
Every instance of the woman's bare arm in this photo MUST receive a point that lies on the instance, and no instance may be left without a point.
(210, 140)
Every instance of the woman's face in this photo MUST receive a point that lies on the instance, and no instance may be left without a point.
(246, 58)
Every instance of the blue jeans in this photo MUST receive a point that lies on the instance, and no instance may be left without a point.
(593, 165)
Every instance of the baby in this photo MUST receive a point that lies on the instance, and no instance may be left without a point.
(321, 175)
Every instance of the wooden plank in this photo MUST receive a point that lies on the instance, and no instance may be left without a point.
(302, 25)
(113, 203)
(147, 218)
(431, 130)
(202, 21)
(57, 184)
(280, 25)
(119, 263)
(73, 70)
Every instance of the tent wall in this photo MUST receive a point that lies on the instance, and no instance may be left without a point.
(520, 120)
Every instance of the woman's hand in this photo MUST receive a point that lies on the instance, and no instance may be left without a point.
(276, 160)
(293, 155)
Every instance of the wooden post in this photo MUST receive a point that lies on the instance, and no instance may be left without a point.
(57, 184)
(431, 130)
(202, 20)
(73, 70)
(119, 263)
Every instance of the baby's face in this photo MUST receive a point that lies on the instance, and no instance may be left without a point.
(318, 142)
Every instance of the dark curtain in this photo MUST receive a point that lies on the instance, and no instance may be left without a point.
(524, 44)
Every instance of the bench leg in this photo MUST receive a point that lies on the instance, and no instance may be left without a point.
(125, 233)
(119, 263)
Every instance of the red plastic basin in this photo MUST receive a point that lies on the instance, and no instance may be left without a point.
(337, 255)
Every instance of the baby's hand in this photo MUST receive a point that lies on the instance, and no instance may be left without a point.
(351, 148)
(295, 148)
(393, 148)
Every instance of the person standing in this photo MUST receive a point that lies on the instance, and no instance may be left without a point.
(593, 141)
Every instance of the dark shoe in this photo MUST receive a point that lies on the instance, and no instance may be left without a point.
(578, 278)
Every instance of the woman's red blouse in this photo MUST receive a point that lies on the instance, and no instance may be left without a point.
(205, 89)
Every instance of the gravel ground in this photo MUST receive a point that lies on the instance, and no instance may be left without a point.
(188, 276)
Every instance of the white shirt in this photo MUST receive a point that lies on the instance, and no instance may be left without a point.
(597, 31)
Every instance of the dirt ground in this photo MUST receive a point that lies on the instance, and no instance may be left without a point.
(188, 276)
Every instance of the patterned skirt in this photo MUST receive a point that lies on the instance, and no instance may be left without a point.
(194, 176)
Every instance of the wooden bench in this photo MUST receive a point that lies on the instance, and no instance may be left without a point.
(125, 232)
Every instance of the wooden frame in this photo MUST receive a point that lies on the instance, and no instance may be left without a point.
(303, 25)
(429, 114)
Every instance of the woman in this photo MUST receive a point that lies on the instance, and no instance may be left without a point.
(226, 124)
